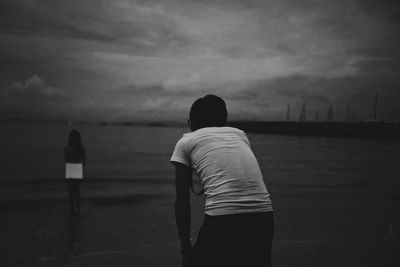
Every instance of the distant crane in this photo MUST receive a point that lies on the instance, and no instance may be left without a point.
(376, 107)
(375, 110)
(393, 114)
(288, 113)
(329, 117)
(303, 112)
(348, 113)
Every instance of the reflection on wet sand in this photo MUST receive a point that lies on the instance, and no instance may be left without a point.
(73, 225)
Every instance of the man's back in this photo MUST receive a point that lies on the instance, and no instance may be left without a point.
(229, 171)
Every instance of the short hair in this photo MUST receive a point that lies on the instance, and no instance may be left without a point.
(209, 111)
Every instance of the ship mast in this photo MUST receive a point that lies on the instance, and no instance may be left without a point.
(376, 107)
(393, 116)
(348, 113)
(288, 113)
(329, 118)
(303, 112)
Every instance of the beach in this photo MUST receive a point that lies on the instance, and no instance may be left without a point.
(335, 200)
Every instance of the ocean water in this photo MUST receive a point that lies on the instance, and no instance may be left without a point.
(32, 151)
(328, 194)
(322, 189)
(36, 151)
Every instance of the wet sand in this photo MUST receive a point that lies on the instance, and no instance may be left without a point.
(131, 223)
(124, 223)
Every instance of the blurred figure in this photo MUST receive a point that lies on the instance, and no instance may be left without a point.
(238, 223)
(75, 160)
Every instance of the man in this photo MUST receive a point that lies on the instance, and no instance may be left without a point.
(238, 223)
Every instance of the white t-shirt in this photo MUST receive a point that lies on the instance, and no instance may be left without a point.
(228, 169)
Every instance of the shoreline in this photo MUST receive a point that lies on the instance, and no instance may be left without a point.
(128, 223)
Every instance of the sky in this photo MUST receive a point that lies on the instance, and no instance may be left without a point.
(127, 60)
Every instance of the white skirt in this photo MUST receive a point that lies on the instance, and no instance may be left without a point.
(73, 171)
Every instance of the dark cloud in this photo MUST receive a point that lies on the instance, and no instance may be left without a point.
(91, 20)
(381, 67)
(134, 89)
(126, 58)
(380, 8)
(318, 92)
(51, 18)
(32, 98)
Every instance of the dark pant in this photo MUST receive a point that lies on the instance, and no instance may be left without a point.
(235, 240)
(74, 198)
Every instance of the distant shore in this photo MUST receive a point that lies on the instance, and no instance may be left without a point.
(361, 129)
(331, 129)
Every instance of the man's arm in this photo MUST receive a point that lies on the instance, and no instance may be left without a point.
(183, 177)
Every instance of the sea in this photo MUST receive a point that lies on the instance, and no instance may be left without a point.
(34, 151)
(329, 195)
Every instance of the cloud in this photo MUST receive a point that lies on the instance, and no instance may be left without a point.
(128, 58)
(165, 102)
(131, 25)
(32, 97)
(319, 92)
(34, 86)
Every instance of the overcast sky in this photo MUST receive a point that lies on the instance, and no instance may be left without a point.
(137, 60)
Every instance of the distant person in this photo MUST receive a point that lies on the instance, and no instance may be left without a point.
(75, 160)
(238, 224)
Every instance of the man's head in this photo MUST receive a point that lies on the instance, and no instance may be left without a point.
(208, 111)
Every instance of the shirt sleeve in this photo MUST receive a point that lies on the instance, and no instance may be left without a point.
(180, 155)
